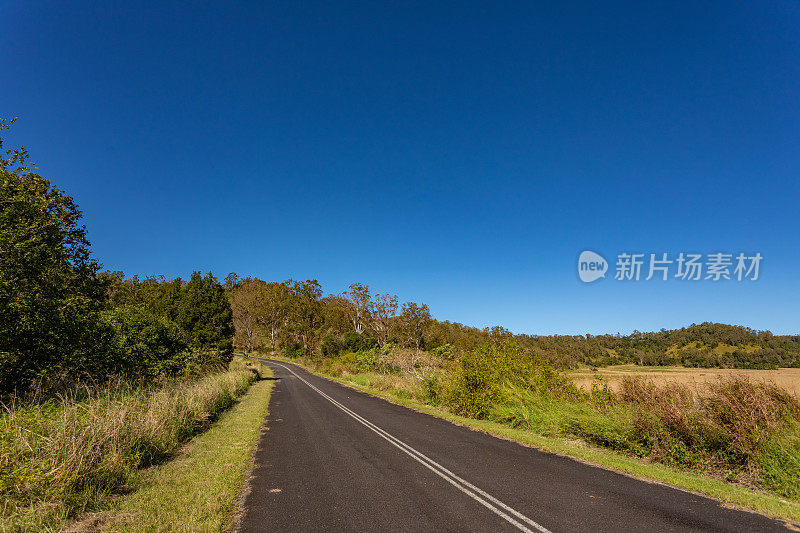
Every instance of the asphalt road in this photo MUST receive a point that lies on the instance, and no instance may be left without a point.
(336, 459)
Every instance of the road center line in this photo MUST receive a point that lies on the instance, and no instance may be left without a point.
(485, 499)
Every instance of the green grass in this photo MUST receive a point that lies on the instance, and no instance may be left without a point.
(68, 457)
(199, 489)
(542, 425)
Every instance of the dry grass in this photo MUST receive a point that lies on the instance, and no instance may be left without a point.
(786, 378)
(735, 428)
(66, 456)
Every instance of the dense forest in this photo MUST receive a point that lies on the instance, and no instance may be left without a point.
(63, 319)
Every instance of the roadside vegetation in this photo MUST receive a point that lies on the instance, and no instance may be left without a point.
(201, 489)
(294, 318)
(73, 454)
(735, 429)
(735, 439)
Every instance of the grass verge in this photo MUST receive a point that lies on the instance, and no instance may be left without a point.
(729, 494)
(199, 489)
(74, 455)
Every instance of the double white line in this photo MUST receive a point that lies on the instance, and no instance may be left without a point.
(487, 500)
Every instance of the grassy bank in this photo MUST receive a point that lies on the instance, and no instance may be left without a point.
(65, 457)
(740, 444)
(199, 489)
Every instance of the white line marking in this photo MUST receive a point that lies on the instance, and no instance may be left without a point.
(464, 486)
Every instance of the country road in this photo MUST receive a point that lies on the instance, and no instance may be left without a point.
(336, 459)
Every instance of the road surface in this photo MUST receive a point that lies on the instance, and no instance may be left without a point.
(336, 459)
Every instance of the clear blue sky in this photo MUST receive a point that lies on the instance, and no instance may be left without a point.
(456, 154)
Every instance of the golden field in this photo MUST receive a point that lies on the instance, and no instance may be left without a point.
(787, 378)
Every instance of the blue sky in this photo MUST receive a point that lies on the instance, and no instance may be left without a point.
(454, 153)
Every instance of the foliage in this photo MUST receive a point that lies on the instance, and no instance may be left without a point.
(746, 429)
(50, 297)
(293, 350)
(200, 307)
(61, 322)
(333, 345)
(486, 371)
(147, 345)
(204, 313)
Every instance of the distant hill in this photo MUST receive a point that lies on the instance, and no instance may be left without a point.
(705, 345)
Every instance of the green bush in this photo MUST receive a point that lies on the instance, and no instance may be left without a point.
(445, 351)
(147, 345)
(490, 369)
(358, 342)
(331, 345)
(432, 390)
(359, 362)
(293, 350)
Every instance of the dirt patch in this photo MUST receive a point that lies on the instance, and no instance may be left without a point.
(91, 523)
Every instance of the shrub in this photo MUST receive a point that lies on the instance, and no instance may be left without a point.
(445, 351)
(489, 370)
(745, 428)
(359, 362)
(358, 342)
(147, 345)
(331, 345)
(293, 350)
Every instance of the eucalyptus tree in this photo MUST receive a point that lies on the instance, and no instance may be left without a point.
(383, 310)
(360, 300)
(273, 306)
(244, 299)
(415, 320)
(305, 311)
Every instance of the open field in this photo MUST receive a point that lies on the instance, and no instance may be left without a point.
(787, 378)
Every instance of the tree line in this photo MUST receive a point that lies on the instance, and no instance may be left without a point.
(63, 320)
(295, 318)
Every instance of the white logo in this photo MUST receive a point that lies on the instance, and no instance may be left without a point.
(591, 266)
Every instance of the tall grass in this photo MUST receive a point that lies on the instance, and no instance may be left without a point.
(734, 429)
(68, 455)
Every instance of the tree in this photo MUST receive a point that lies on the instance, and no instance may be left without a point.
(232, 280)
(205, 314)
(360, 301)
(336, 314)
(382, 313)
(50, 295)
(146, 345)
(244, 299)
(415, 320)
(272, 308)
(305, 316)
